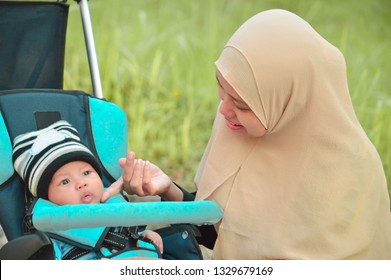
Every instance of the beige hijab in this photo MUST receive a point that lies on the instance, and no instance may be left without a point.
(314, 186)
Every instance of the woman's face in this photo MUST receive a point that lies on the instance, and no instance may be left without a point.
(239, 118)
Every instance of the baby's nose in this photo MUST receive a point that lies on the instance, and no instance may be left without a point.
(81, 184)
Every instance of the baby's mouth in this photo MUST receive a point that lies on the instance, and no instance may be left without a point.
(87, 197)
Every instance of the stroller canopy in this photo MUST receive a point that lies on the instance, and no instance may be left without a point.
(32, 44)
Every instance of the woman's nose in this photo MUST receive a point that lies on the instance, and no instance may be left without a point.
(226, 107)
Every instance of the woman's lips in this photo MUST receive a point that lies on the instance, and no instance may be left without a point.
(233, 126)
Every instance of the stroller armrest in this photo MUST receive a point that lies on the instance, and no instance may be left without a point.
(36, 246)
(49, 217)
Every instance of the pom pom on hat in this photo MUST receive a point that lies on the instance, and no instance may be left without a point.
(37, 155)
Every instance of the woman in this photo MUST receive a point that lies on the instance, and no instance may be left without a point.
(288, 160)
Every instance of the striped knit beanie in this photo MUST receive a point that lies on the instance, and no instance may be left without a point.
(37, 155)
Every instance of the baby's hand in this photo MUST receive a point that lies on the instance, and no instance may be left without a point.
(114, 189)
(155, 237)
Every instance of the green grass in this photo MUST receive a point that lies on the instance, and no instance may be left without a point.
(157, 63)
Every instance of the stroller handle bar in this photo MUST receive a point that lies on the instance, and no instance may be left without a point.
(50, 217)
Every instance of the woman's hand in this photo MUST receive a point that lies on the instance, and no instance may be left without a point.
(141, 178)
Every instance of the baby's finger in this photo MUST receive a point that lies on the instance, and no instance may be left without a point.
(114, 189)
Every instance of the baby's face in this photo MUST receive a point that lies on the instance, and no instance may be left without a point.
(76, 182)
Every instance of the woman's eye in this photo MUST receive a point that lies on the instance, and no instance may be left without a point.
(242, 107)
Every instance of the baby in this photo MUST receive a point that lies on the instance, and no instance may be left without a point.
(56, 166)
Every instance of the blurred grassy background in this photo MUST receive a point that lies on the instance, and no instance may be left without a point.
(156, 59)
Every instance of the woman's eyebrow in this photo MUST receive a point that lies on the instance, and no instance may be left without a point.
(235, 99)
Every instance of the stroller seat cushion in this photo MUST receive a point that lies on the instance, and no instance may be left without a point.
(7, 169)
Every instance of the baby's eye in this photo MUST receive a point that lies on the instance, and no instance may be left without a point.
(87, 172)
(65, 182)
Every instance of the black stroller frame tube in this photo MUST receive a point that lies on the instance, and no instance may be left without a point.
(91, 51)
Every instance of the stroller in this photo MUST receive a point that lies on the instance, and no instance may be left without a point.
(32, 46)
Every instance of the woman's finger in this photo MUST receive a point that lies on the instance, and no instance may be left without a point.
(127, 165)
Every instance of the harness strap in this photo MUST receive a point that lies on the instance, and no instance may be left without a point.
(116, 241)
(75, 253)
(119, 240)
